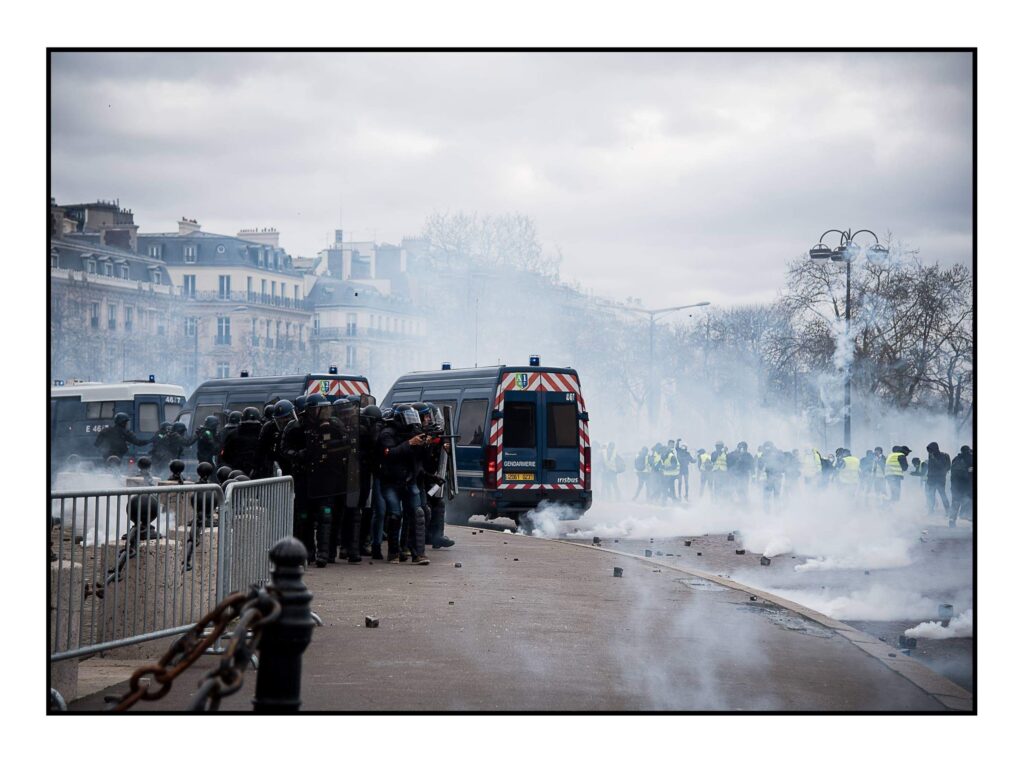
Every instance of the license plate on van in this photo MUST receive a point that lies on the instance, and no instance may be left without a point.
(519, 477)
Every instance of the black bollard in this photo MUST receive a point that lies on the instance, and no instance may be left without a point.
(279, 680)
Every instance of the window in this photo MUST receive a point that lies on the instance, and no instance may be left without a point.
(108, 269)
(55, 260)
(224, 287)
(316, 323)
(223, 370)
(124, 271)
(350, 356)
(190, 326)
(127, 318)
(373, 321)
(248, 288)
(189, 253)
(263, 287)
(259, 262)
(563, 426)
(94, 314)
(350, 324)
(295, 292)
(156, 277)
(171, 411)
(520, 427)
(223, 330)
(471, 422)
(90, 266)
(155, 252)
(96, 410)
(149, 417)
(273, 289)
(111, 317)
(188, 287)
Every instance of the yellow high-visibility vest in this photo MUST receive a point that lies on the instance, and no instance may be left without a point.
(705, 461)
(671, 466)
(892, 465)
(850, 472)
(720, 463)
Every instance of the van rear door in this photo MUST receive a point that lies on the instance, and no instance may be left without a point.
(560, 441)
(521, 438)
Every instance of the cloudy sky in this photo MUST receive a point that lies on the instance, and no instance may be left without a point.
(673, 177)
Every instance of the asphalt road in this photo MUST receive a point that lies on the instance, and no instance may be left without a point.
(533, 624)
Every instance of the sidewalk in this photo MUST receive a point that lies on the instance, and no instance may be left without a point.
(530, 624)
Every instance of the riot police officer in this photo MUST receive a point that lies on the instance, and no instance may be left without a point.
(266, 443)
(370, 423)
(347, 525)
(311, 450)
(431, 474)
(114, 440)
(397, 448)
(161, 451)
(239, 450)
(230, 429)
(206, 440)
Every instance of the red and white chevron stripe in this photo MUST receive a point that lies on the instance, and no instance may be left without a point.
(338, 387)
(539, 381)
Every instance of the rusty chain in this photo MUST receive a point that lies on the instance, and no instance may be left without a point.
(253, 610)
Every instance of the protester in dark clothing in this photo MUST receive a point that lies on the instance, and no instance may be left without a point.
(685, 460)
(935, 478)
(114, 440)
(961, 485)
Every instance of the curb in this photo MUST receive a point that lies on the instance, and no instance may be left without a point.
(940, 688)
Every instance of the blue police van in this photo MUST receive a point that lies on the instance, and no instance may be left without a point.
(80, 410)
(522, 436)
(218, 397)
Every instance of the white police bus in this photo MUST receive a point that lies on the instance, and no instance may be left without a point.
(79, 411)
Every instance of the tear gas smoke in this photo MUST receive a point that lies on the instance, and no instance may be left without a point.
(962, 626)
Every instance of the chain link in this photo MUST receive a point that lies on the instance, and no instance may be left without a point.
(253, 610)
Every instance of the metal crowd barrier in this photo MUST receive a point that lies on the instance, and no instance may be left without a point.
(254, 517)
(136, 564)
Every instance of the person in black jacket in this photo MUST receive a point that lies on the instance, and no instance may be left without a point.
(935, 481)
(114, 440)
(239, 449)
(206, 440)
(961, 486)
(397, 451)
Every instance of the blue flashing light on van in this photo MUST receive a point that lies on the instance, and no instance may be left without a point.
(522, 436)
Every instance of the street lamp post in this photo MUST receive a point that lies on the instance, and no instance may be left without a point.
(652, 316)
(845, 252)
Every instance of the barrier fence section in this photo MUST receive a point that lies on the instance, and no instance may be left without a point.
(254, 517)
(130, 565)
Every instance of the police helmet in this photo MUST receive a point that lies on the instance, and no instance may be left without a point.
(179, 428)
(223, 473)
(407, 417)
(234, 417)
(353, 398)
(387, 414)
(235, 474)
(300, 403)
(284, 409)
(165, 427)
(318, 407)
(268, 411)
(371, 411)
(211, 422)
(121, 419)
(342, 401)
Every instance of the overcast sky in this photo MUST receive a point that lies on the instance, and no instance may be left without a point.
(673, 177)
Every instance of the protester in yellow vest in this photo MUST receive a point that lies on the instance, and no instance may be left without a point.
(719, 470)
(704, 466)
(895, 464)
(848, 470)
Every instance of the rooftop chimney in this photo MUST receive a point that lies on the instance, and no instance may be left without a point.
(187, 226)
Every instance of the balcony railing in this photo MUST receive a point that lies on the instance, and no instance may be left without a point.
(252, 298)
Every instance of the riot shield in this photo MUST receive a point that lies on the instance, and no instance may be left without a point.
(451, 470)
(328, 447)
(347, 415)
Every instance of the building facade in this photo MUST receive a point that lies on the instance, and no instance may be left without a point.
(245, 304)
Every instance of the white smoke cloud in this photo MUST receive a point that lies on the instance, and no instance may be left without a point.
(962, 626)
